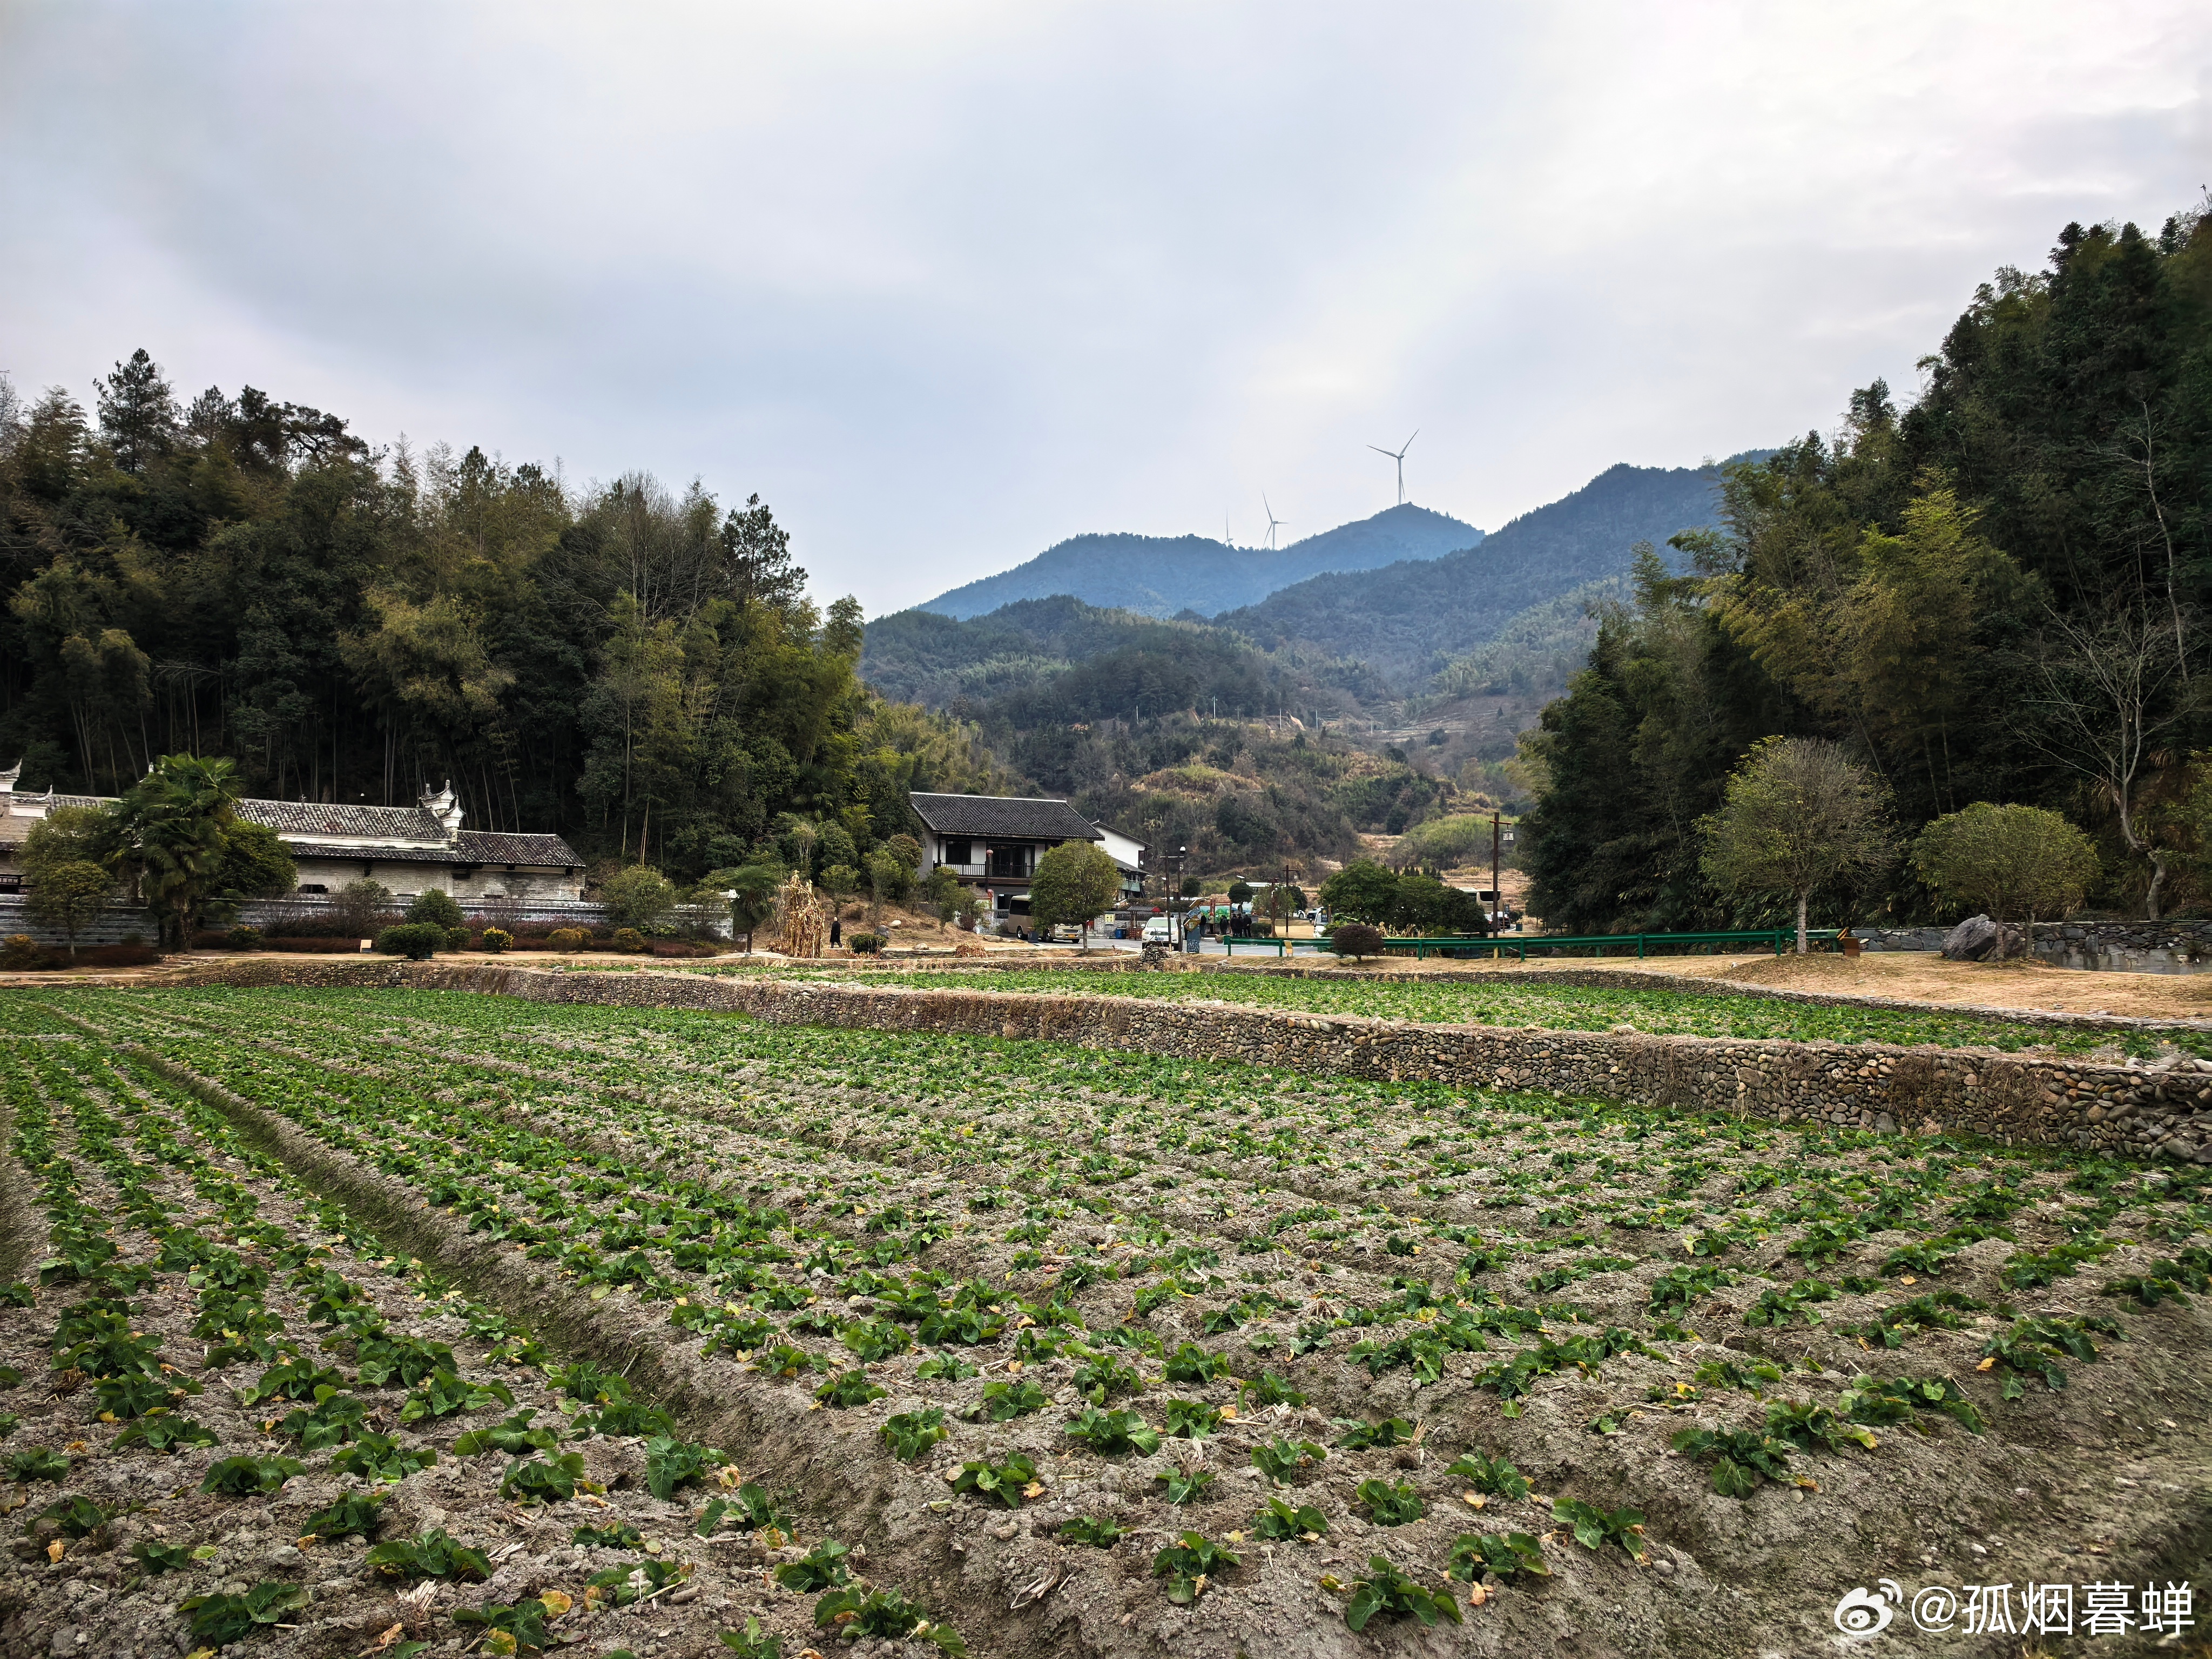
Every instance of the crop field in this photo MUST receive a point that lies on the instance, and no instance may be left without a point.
(351, 1322)
(1533, 1001)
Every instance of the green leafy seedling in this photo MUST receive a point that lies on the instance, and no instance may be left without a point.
(1088, 1529)
(1389, 1505)
(1189, 1563)
(1494, 1475)
(1473, 1553)
(432, 1554)
(1003, 1482)
(1283, 1521)
(1594, 1527)
(821, 1568)
(909, 1434)
(1386, 1590)
(1280, 1458)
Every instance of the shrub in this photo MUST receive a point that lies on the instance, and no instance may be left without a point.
(243, 938)
(418, 941)
(19, 951)
(1356, 939)
(864, 945)
(436, 907)
(568, 939)
(629, 939)
(496, 940)
(638, 895)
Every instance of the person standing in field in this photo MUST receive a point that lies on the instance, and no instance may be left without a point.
(836, 932)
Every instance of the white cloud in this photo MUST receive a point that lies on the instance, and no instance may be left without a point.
(947, 283)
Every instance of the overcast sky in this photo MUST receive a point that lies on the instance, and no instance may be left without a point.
(946, 283)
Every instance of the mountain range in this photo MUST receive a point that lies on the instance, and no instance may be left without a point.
(1407, 620)
(1347, 608)
(1167, 576)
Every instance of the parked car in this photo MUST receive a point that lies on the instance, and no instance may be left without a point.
(1160, 930)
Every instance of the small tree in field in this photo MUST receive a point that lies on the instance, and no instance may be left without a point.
(752, 889)
(71, 896)
(1074, 882)
(2007, 861)
(1797, 814)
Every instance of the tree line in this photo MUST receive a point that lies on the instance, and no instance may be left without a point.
(1995, 596)
(636, 668)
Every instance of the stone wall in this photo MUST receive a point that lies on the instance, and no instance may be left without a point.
(115, 924)
(2127, 947)
(2127, 1111)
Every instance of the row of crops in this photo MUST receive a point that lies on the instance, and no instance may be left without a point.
(1534, 1001)
(1193, 1336)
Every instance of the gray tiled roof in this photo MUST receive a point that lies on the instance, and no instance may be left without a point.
(478, 847)
(308, 817)
(499, 846)
(1011, 815)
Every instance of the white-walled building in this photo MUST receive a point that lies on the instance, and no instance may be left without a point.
(407, 848)
(993, 842)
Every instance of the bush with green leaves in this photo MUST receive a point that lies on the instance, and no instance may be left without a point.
(418, 941)
(497, 940)
(434, 907)
(569, 938)
(628, 940)
(1357, 939)
(1388, 1591)
(865, 945)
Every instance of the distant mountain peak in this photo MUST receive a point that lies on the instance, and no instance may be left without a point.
(1164, 576)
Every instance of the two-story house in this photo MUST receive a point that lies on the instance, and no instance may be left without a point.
(993, 842)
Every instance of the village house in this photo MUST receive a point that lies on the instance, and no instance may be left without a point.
(993, 842)
(405, 848)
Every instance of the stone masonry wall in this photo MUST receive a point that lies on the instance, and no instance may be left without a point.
(2127, 1111)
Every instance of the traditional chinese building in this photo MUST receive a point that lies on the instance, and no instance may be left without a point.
(405, 848)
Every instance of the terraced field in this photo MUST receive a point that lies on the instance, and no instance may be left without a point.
(349, 1321)
(1536, 1002)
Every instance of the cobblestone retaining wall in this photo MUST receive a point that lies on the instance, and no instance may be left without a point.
(2127, 1111)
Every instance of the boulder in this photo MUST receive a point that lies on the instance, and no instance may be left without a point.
(1972, 940)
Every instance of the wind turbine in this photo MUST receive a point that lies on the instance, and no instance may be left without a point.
(1271, 521)
(1399, 456)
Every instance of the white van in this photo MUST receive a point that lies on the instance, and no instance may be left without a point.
(1160, 930)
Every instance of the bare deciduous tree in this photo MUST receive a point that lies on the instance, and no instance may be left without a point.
(2101, 683)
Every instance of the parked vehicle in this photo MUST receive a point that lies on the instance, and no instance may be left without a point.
(1160, 930)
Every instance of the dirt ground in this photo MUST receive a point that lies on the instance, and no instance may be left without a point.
(1913, 976)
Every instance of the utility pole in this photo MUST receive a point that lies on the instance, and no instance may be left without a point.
(1496, 897)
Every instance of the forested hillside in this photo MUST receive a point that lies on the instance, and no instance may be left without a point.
(1996, 594)
(638, 670)
(1408, 621)
(1166, 576)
